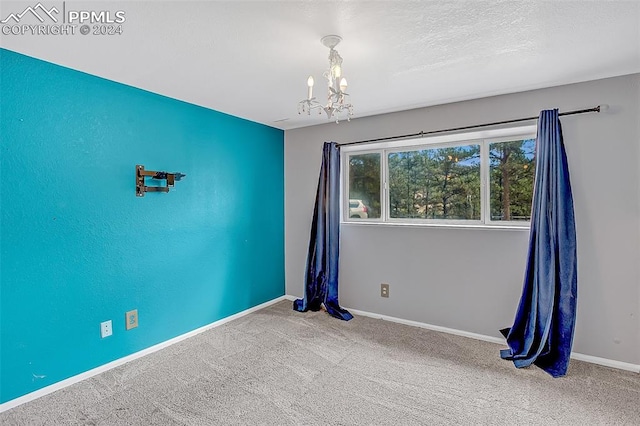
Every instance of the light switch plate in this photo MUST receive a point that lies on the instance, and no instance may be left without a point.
(131, 319)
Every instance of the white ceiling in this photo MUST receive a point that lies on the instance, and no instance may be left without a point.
(252, 59)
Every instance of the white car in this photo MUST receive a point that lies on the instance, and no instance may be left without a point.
(357, 209)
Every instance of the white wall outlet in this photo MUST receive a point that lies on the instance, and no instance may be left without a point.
(106, 329)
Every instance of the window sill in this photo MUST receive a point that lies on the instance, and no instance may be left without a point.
(439, 225)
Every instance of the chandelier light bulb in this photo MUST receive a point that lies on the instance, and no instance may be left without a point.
(343, 84)
(337, 71)
(310, 85)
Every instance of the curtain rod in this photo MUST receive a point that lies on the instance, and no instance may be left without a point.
(517, 120)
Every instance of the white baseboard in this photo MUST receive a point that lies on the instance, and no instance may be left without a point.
(574, 355)
(105, 367)
(606, 362)
(428, 326)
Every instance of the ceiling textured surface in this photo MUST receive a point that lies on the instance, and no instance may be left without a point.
(252, 59)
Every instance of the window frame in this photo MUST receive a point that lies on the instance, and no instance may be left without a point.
(482, 138)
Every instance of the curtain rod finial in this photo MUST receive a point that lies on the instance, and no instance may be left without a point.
(603, 108)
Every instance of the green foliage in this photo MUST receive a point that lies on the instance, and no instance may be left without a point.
(440, 183)
(512, 173)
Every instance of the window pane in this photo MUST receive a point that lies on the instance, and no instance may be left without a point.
(512, 172)
(438, 183)
(364, 186)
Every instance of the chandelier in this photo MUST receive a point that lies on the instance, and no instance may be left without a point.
(337, 98)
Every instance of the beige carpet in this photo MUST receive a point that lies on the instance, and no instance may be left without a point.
(280, 367)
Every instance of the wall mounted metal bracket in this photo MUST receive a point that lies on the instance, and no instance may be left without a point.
(170, 178)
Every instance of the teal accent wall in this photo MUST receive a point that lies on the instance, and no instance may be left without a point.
(77, 247)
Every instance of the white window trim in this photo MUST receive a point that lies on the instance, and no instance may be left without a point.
(482, 138)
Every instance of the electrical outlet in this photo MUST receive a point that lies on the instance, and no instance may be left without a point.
(106, 329)
(131, 319)
(384, 290)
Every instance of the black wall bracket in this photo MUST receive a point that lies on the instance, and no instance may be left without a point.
(141, 188)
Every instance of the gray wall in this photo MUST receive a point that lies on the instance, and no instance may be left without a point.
(422, 263)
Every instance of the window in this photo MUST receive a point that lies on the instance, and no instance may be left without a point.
(511, 172)
(435, 183)
(364, 186)
(460, 179)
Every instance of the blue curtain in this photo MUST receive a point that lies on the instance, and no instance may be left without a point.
(321, 280)
(542, 332)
